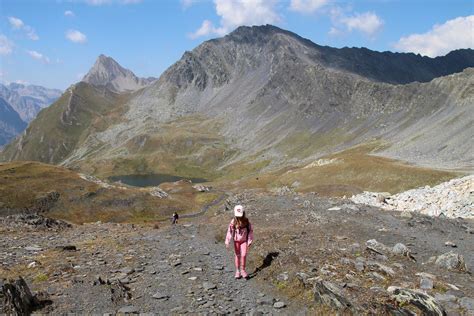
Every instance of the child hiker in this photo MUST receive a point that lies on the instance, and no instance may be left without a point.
(241, 233)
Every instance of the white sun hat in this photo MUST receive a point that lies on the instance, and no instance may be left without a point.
(239, 211)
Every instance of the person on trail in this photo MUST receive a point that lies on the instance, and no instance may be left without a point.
(240, 231)
(175, 218)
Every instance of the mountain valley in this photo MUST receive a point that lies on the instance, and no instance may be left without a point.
(344, 160)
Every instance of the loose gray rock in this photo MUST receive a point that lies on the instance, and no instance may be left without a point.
(265, 301)
(33, 248)
(376, 246)
(467, 303)
(160, 296)
(130, 309)
(452, 261)
(330, 294)
(279, 305)
(400, 249)
(209, 286)
(426, 283)
(283, 276)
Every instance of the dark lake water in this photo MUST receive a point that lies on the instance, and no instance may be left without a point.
(151, 180)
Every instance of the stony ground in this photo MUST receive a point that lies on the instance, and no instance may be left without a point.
(307, 249)
(126, 268)
(452, 199)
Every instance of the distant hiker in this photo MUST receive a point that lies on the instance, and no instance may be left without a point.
(175, 218)
(241, 232)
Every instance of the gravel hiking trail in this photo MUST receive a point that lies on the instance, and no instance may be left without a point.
(128, 269)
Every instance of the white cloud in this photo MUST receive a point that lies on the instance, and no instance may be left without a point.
(188, 3)
(235, 13)
(206, 28)
(6, 46)
(69, 13)
(38, 56)
(23, 82)
(106, 2)
(335, 31)
(31, 34)
(76, 36)
(367, 23)
(441, 39)
(307, 6)
(18, 24)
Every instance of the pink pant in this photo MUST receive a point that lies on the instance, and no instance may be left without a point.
(240, 254)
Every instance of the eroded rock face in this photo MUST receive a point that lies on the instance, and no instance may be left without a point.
(18, 299)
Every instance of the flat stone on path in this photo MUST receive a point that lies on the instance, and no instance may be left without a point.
(33, 248)
(209, 286)
(160, 296)
(127, 270)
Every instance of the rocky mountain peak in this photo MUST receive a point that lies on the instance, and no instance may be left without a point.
(107, 72)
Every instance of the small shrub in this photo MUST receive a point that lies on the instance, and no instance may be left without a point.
(41, 277)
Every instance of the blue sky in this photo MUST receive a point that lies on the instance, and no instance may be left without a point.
(54, 42)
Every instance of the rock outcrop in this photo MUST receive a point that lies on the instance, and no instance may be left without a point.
(452, 199)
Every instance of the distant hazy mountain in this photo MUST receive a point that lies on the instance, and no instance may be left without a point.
(10, 122)
(107, 72)
(260, 95)
(28, 100)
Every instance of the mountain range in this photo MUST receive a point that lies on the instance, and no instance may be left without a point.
(10, 122)
(259, 98)
(26, 101)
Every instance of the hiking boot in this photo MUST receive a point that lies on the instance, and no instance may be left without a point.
(244, 274)
(237, 274)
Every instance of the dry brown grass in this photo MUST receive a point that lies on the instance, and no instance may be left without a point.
(352, 171)
(21, 183)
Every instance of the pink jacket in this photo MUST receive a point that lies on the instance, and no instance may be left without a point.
(240, 234)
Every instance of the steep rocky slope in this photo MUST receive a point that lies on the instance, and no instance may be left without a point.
(107, 72)
(28, 100)
(266, 96)
(10, 122)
